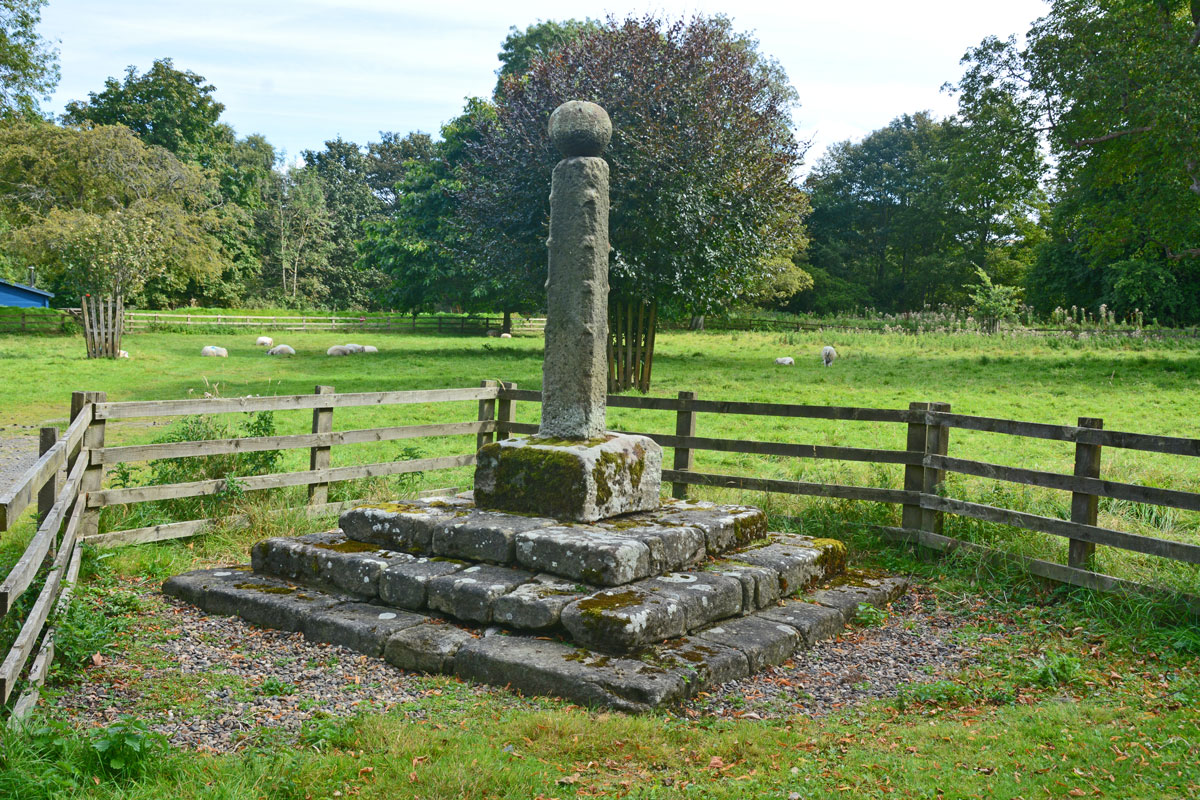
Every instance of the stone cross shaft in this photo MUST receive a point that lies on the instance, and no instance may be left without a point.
(575, 367)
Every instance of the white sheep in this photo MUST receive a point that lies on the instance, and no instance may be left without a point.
(828, 354)
(785, 361)
(265, 341)
(123, 354)
(353, 348)
(337, 350)
(281, 350)
(213, 351)
(506, 336)
(370, 348)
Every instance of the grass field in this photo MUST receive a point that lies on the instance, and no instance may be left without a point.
(1123, 724)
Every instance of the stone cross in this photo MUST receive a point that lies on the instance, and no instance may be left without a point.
(575, 367)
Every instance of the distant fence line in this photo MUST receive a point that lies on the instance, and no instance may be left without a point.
(391, 323)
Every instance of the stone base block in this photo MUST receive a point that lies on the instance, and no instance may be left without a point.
(578, 481)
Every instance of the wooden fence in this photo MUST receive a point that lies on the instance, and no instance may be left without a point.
(69, 516)
(37, 322)
(391, 323)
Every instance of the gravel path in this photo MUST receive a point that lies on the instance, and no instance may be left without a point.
(217, 684)
(17, 453)
(915, 645)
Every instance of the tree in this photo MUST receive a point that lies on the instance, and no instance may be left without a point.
(1110, 88)
(28, 64)
(166, 107)
(703, 160)
(539, 40)
(387, 162)
(297, 231)
(98, 211)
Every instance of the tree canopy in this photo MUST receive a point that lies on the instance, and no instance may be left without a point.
(28, 63)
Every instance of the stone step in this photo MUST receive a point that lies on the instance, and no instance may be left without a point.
(611, 552)
(663, 673)
(617, 619)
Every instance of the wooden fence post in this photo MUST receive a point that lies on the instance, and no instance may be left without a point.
(93, 474)
(319, 457)
(1084, 506)
(685, 425)
(914, 474)
(487, 413)
(506, 412)
(47, 438)
(937, 441)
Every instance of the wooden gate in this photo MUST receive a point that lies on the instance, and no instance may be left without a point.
(103, 324)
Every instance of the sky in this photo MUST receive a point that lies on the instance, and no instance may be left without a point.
(301, 72)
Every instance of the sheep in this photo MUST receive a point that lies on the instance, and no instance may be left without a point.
(337, 350)
(492, 334)
(214, 352)
(828, 354)
(785, 361)
(353, 348)
(370, 349)
(265, 341)
(506, 336)
(281, 350)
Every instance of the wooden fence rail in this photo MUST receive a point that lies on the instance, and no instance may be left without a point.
(399, 323)
(72, 516)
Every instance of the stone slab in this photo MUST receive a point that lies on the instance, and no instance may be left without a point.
(263, 601)
(328, 559)
(427, 647)
(469, 593)
(725, 527)
(798, 559)
(814, 622)
(764, 642)
(704, 596)
(584, 553)
(537, 605)
(537, 666)
(760, 585)
(361, 627)
(671, 547)
(624, 618)
(850, 590)
(701, 664)
(484, 535)
(406, 584)
(582, 481)
(406, 526)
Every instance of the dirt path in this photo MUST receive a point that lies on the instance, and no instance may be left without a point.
(17, 453)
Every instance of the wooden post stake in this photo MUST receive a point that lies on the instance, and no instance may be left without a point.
(487, 413)
(1084, 507)
(685, 425)
(506, 413)
(914, 474)
(93, 474)
(319, 457)
(937, 440)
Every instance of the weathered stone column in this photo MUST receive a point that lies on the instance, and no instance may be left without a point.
(575, 369)
(574, 469)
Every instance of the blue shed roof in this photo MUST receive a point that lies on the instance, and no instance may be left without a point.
(23, 287)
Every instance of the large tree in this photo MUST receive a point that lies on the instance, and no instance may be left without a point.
(98, 211)
(28, 64)
(703, 162)
(1111, 88)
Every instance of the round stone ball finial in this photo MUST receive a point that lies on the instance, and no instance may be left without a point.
(580, 128)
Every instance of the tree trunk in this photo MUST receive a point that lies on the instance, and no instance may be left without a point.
(696, 323)
(507, 326)
(631, 329)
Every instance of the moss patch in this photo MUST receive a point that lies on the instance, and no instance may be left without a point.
(538, 481)
(258, 587)
(351, 546)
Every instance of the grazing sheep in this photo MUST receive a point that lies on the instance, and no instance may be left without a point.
(265, 341)
(785, 361)
(281, 350)
(506, 336)
(214, 352)
(828, 354)
(123, 354)
(492, 334)
(337, 350)
(353, 348)
(370, 349)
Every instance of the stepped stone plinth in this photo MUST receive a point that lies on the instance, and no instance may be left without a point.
(596, 589)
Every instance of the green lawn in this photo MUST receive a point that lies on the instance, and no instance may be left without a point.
(1124, 726)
